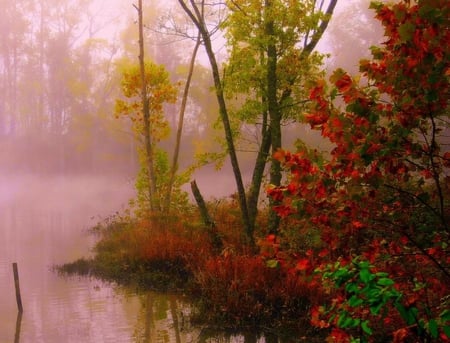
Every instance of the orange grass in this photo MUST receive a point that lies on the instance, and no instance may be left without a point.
(234, 287)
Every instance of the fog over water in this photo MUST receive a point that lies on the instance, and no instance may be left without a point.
(98, 195)
(43, 222)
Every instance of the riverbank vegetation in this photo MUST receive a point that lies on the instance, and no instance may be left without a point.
(354, 241)
(232, 288)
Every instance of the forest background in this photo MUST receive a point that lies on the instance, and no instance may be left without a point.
(60, 68)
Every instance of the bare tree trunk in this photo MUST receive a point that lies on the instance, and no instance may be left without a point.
(207, 220)
(272, 105)
(199, 21)
(174, 166)
(258, 170)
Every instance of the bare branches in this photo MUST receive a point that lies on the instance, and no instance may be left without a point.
(317, 35)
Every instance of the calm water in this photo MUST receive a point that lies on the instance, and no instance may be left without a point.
(43, 223)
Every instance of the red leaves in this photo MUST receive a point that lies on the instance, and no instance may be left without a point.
(271, 238)
(316, 119)
(427, 174)
(275, 193)
(316, 311)
(358, 225)
(339, 336)
(317, 92)
(376, 195)
(344, 84)
(280, 155)
(283, 211)
(400, 335)
(446, 159)
(303, 264)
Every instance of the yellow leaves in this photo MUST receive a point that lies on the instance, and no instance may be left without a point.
(159, 91)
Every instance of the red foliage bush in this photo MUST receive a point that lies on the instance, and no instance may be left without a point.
(243, 290)
(382, 195)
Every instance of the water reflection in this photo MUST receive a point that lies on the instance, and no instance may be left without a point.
(164, 318)
(42, 223)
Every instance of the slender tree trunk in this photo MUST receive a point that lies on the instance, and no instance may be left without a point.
(207, 220)
(274, 103)
(146, 116)
(41, 71)
(174, 166)
(258, 171)
(272, 106)
(199, 21)
(273, 138)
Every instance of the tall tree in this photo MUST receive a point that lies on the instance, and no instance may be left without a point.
(260, 35)
(158, 91)
(176, 152)
(146, 113)
(271, 59)
(197, 14)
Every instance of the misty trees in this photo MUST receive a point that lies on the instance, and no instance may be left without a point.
(12, 47)
(352, 41)
(53, 80)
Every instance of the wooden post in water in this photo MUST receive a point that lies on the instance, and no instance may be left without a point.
(16, 283)
(18, 327)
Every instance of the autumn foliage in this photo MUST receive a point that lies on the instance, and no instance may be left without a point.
(379, 201)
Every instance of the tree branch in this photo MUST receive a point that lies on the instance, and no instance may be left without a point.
(320, 31)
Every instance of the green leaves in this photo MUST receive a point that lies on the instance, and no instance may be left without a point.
(406, 31)
(365, 289)
(366, 328)
(376, 5)
(385, 282)
(365, 275)
(433, 328)
(273, 263)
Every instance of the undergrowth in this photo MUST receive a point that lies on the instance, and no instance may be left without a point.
(233, 287)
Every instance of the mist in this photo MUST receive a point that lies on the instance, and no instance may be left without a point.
(59, 80)
(93, 195)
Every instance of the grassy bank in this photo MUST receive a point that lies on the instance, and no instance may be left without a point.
(232, 286)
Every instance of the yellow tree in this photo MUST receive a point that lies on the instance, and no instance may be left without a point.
(158, 91)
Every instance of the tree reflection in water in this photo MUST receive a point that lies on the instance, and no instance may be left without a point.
(164, 318)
